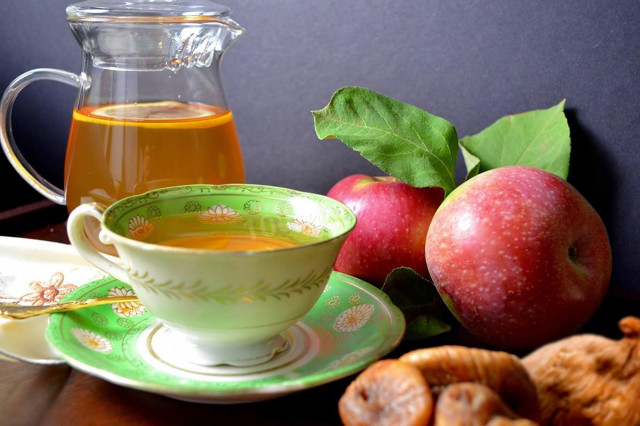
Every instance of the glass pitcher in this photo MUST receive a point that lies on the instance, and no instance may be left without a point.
(150, 109)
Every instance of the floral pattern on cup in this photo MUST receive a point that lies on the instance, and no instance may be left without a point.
(92, 340)
(220, 214)
(192, 207)
(283, 209)
(126, 309)
(354, 318)
(308, 226)
(253, 207)
(139, 227)
(154, 212)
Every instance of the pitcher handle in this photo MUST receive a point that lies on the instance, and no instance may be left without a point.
(78, 238)
(7, 141)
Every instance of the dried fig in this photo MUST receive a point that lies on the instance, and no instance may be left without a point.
(589, 379)
(389, 392)
(473, 404)
(503, 421)
(500, 371)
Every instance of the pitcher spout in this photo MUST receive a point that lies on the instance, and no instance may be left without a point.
(234, 31)
(230, 31)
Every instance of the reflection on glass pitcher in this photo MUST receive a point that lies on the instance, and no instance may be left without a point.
(150, 109)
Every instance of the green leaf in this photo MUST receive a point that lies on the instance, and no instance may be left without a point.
(424, 326)
(419, 301)
(471, 161)
(404, 141)
(537, 138)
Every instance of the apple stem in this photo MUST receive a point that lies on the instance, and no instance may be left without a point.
(573, 253)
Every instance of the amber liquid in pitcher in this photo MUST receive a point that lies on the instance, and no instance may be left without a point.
(119, 150)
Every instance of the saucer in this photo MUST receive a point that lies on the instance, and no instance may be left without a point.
(352, 325)
(34, 272)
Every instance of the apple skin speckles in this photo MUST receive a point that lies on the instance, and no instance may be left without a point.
(519, 256)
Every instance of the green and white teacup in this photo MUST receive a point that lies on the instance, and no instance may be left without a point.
(225, 268)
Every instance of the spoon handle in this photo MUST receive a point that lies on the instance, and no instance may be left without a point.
(15, 311)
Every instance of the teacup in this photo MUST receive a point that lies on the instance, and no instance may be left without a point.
(226, 268)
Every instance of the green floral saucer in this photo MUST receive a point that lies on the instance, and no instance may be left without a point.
(352, 325)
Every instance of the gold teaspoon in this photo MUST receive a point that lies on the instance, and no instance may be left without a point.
(15, 311)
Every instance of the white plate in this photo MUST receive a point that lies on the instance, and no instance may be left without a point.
(34, 272)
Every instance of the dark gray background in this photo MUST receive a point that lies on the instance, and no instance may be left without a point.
(470, 62)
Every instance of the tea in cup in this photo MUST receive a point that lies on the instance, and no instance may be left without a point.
(225, 268)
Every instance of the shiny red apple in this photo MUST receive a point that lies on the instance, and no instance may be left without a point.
(519, 256)
(393, 218)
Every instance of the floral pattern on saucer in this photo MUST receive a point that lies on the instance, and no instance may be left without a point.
(36, 273)
(354, 318)
(126, 309)
(46, 292)
(36, 283)
(352, 325)
(92, 340)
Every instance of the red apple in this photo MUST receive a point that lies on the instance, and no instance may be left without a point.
(519, 257)
(393, 218)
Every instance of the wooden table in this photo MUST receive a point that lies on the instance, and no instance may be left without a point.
(60, 395)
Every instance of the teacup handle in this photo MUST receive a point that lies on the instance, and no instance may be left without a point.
(9, 146)
(78, 238)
